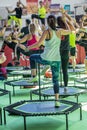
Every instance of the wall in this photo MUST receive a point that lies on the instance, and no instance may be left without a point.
(62, 2)
(72, 3)
(12, 3)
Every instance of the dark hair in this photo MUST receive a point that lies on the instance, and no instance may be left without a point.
(40, 2)
(51, 20)
(86, 10)
(28, 21)
(60, 23)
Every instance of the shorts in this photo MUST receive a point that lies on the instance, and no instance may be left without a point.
(73, 51)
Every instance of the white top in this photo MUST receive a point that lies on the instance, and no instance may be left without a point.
(52, 49)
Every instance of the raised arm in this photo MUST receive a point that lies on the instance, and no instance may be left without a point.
(10, 11)
(23, 6)
(43, 37)
(2, 31)
(25, 38)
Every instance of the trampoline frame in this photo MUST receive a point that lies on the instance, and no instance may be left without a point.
(19, 73)
(80, 81)
(11, 110)
(36, 91)
(10, 83)
(5, 92)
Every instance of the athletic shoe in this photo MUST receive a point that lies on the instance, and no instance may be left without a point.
(65, 89)
(73, 70)
(44, 70)
(34, 80)
(57, 104)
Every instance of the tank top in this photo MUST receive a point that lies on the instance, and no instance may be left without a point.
(52, 49)
(72, 39)
(32, 41)
(42, 12)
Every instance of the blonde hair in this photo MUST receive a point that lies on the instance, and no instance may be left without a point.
(32, 28)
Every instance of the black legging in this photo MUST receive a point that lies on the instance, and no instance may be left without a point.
(30, 52)
(38, 17)
(64, 65)
(9, 44)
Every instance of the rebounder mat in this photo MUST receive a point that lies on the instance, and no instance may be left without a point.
(22, 72)
(78, 71)
(14, 68)
(81, 81)
(41, 108)
(46, 92)
(19, 83)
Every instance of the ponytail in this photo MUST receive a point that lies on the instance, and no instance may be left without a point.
(51, 20)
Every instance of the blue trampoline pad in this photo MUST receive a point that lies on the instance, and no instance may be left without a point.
(41, 107)
(14, 68)
(76, 70)
(21, 83)
(22, 72)
(70, 91)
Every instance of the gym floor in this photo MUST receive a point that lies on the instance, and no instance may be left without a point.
(41, 123)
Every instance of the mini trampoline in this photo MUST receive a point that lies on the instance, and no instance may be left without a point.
(42, 108)
(5, 92)
(77, 71)
(48, 91)
(82, 80)
(14, 68)
(78, 66)
(22, 72)
(18, 83)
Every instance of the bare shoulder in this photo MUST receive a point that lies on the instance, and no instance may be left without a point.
(58, 32)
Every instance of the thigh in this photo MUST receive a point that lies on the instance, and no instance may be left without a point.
(72, 51)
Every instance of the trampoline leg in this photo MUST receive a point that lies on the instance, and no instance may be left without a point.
(25, 123)
(77, 97)
(80, 112)
(13, 91)
(10, 97)
(4, 86)
(0, 116)
(66, 121)
(30, 95)
(4, 116)
(39, 81)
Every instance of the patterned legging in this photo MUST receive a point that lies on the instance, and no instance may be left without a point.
(55, 68)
